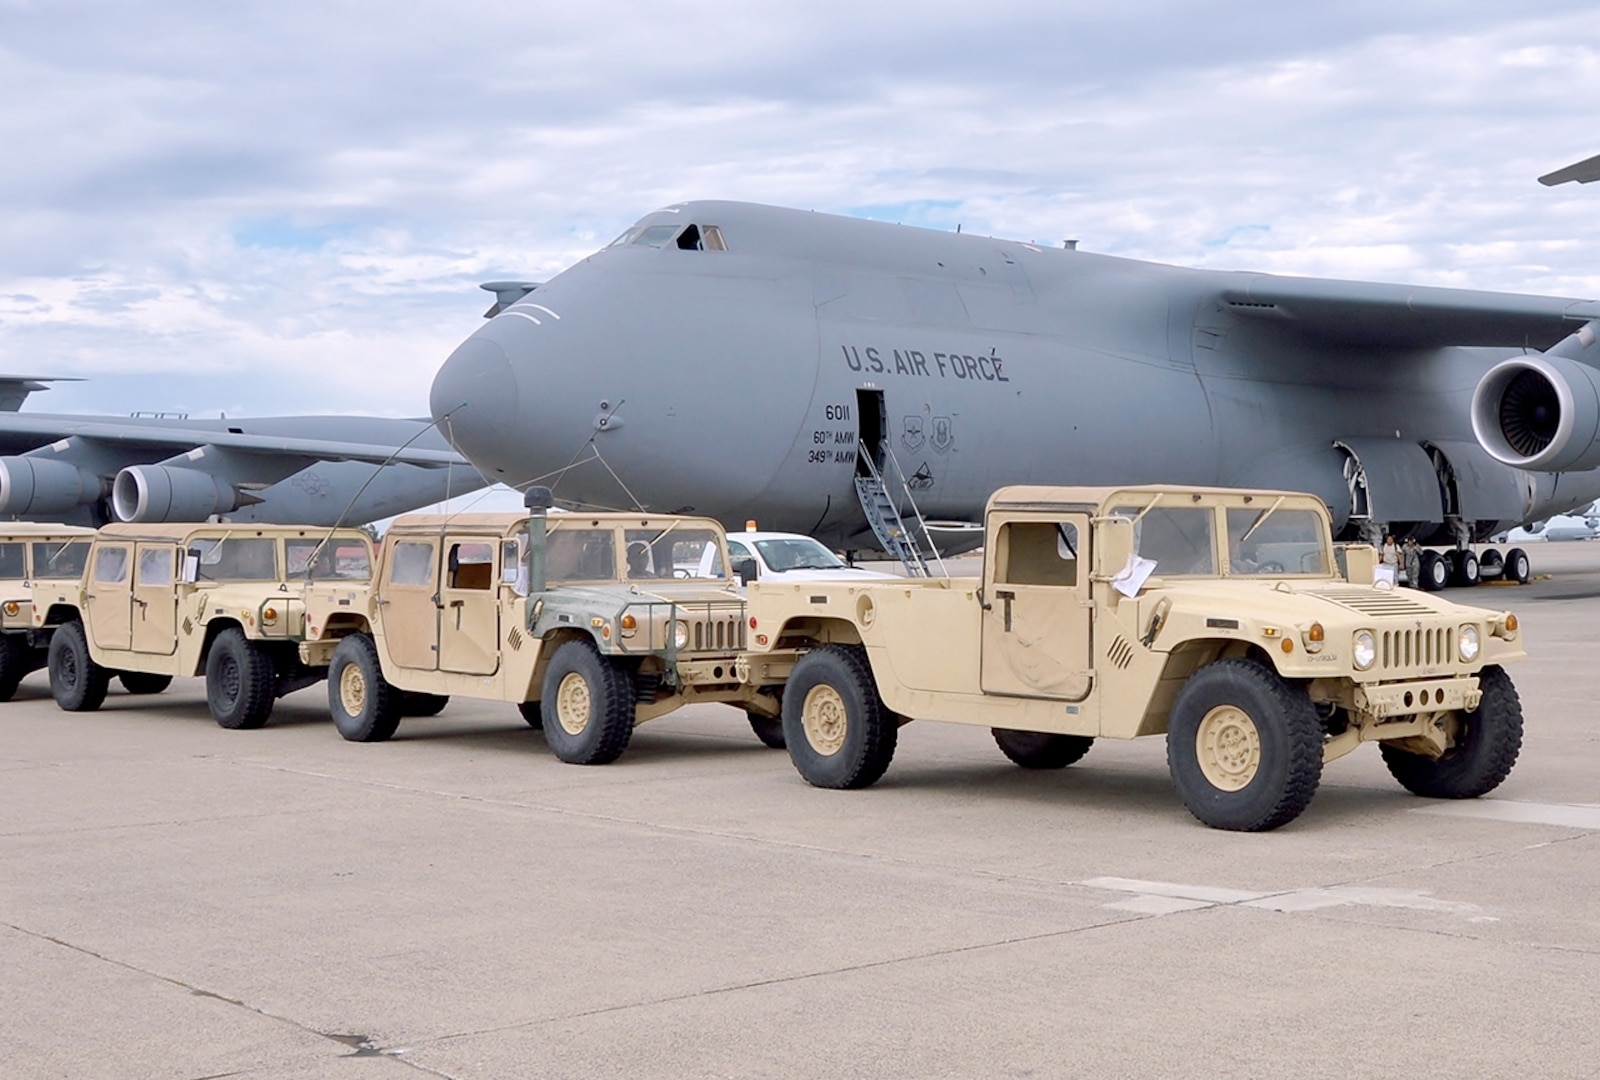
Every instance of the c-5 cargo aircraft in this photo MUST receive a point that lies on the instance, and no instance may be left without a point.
(756, 362)
(315, 470)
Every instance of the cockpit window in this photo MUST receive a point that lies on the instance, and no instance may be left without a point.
(654, 236)
(711, 239)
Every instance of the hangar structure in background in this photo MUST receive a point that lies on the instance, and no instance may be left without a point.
(312, 470)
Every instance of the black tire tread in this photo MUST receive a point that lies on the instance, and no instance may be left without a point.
(1304, 742)
(143, 682)
(88, 692)
(14, 664)
(878, 727)
(257, 681)
(769, 729)
(1482, 761)
(611, 696)
(382, 715)
(1041, 749)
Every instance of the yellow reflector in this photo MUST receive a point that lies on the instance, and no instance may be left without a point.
(1511, 621)
(1288, 644)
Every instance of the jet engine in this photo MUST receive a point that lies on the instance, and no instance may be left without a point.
(1539, 412)
(43, 488)
(165, 493)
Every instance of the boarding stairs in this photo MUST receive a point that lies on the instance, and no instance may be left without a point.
(903, 533)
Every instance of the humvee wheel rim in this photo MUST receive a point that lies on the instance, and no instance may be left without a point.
(228, 680)
(824, 720)
(572, 703)
(352, 691)
(1229, 747)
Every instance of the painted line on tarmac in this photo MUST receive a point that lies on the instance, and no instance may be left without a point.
(1520, 813)
(1170, 898)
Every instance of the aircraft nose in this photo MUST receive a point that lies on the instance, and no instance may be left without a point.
(474, 398)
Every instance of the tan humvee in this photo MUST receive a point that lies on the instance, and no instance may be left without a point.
(1244, 646)
(590, 623)
(226, 601)
(30, 553)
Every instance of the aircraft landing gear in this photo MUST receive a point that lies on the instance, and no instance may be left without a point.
(1464, 569)
(1435, 571)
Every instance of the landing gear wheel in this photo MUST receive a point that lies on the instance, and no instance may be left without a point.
(1040, 749)
(838, 730)
(1518, 568)
(239, 681)
(587, 706)
(13, 665)
(76, 682)
(1244, 747)
(143, 682)
(364, 706)
(1487, 743)
(1464, 570)
(1435, 572)
(769, 729)
(416, 703)
(1490, 564)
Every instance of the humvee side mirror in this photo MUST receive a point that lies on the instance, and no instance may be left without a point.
(1113, 545)
(189, 570)
(745, 569)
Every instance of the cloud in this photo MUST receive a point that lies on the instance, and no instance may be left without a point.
(286, 207)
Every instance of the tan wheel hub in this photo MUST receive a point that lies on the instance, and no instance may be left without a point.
(352, 690)
(1229, 747)
(572, 703)
(825, 721)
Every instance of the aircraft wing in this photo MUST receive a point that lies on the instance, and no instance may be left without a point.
(1404, 316)
(19, 430)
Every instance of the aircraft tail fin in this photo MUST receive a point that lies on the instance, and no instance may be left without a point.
(14, 389)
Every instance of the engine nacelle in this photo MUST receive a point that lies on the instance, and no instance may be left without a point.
(1540, 413)
(164, 493)
(42, 488)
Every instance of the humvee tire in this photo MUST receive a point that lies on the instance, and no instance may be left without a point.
(838, 730)
(1486, 747)
(530, 713)
(1244, 747)
(1041, 749)
(143, 682)
(13, 665)
(416, 703)
(76, 682)
(769, 729)
(239, 681)
(586, 706)
(364, 707)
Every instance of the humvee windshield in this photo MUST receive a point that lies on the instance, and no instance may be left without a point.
(13, 564)
(1177, 538)
(237, 558)
(55, 560)
(1270, 542)
(327, 559)
(673, 553)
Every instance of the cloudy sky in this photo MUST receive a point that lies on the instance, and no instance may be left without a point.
(286, 207)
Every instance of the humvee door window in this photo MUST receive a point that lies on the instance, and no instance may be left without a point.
(1267, 542)
(323, 560)
(155, 566)
(471, 566)
(60, 561)
(580, 555)
(674, 553)
(237, 558)
(1040, 553)
(13, 562)
(1177, 538)
(413, 564)
(111, 565)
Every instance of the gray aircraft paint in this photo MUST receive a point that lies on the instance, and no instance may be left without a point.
(727, 381)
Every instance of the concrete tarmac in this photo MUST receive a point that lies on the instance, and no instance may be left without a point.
(180, 901)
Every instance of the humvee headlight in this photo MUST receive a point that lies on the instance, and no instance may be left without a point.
(1467, 643)
(1312, 637)
(1364, 649)
(680, 634)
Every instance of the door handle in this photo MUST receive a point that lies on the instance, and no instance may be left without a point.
(1006, 596)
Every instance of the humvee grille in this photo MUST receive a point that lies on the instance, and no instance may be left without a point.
(1431, 647)
(719, 633)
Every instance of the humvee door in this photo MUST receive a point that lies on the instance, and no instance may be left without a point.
(155, 602)
(108, 601)
(1037, 617)
(469, 614)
